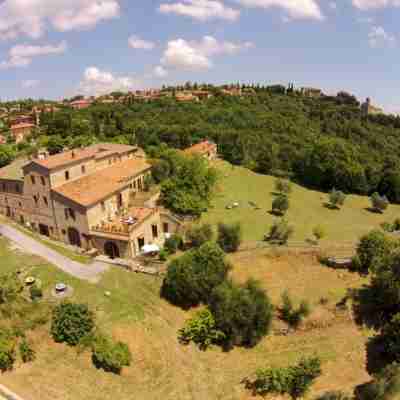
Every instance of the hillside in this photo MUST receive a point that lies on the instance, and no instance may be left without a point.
(161, 367)
(307, 208)
(321, 142)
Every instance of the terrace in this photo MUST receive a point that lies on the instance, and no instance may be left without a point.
(124, 223)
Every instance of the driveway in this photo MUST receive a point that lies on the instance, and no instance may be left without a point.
(90, 272)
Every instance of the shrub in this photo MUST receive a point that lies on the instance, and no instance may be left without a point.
(372, 248)
(10, 287)
(201, 329)
(283, 186)
(379, 203)
(243, 313)
(229, 237)
(293, 380)
(293, 316)
(71, 322)
(280, 205)
(163, 255)
(191, 277)
(7, 351)
(35, 292)
(198, 235)
(26, 352)
(319, 233)
(336, 198)
(173, 243)
(280, 232)
(110, 356)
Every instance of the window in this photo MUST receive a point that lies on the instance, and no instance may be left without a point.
(134, 184)
(64, 232)
(83, 169)
(72, 213)
(43, 181)
(45, 201)
(165, 227)
(33, 179)
(109, 162)
(66, 213)
(4, 187)
(17, 188)
(103, 206)
(67, 175)
(36, 198)
(20, 204)
(154, 230)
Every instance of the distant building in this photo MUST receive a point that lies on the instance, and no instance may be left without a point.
(311, 92)
(80, 104)
(185, 97)
(368, 109)
(206, 149)
(20, 131)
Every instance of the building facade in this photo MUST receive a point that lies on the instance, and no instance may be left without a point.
(86, 198)
(205, 149)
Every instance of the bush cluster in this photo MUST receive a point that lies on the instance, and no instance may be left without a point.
(71, 322)
(7, 350)
(199, 234)
(242, 312)
(109, 355)
(379, 203)
(26, 351)
(173, 244)
(294, 380)
(229, 237)
(201, 330)
(293, 316)
(191, 277)
(280, 232)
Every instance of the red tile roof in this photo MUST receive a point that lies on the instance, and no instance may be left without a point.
(91, 189)
(201, 148)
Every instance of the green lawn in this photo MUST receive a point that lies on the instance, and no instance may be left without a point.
(307, 209)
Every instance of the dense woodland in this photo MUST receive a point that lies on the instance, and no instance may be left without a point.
(322, 143)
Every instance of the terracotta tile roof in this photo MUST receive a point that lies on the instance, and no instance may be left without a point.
(200, 148)
(95, 151)
(93, 188)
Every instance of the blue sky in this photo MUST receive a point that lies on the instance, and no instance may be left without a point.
(57, 48)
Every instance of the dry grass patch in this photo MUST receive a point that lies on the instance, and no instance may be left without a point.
(164, 369)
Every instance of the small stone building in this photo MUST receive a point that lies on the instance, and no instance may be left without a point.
(206, 149)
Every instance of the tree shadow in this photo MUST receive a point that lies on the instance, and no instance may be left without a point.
(276, 194)
(330, 206)
(372, 210)
(367, 311)
(376, 360)
(276, 213)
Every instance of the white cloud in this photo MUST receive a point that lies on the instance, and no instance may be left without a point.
(160, 71)
(30, 83)
(201, 10)
(96, 81)
(191, 55)
(32, 17)
(296, 9)
(21, 55)
(137, 43)
(371, 4)
(378, 37)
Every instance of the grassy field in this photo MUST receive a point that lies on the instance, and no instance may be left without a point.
(161, 367)
(307, 209)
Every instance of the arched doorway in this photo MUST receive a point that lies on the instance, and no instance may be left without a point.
(111, 250)
(74, 237)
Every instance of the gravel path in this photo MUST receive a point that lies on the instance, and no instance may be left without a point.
(90, 272)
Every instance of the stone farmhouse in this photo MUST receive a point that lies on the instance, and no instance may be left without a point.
(368, 109)
(205, 149)
(92, 198)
